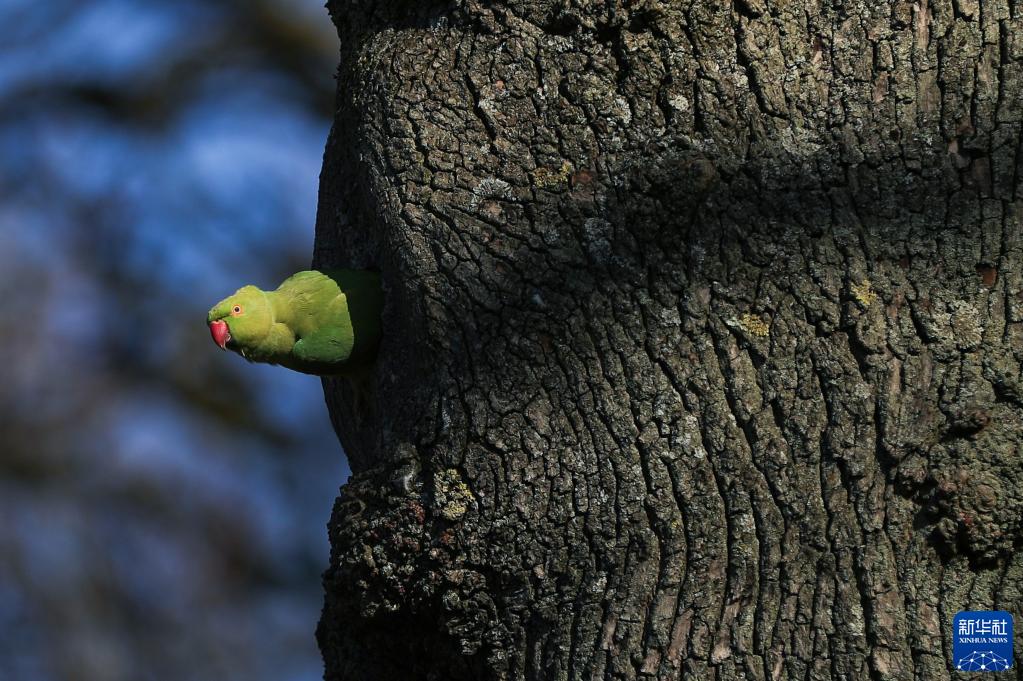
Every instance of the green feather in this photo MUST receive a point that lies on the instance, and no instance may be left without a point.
(323, 323)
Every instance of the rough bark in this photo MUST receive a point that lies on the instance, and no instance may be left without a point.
(703, 337)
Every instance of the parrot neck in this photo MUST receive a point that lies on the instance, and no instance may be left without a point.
(282, 313)
(276, 345)
(279, 340)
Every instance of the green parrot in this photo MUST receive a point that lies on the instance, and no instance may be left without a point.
(322, 323)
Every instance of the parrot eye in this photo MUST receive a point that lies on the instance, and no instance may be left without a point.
(237, 309)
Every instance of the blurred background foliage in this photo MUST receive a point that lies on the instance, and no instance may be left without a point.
(162, 504)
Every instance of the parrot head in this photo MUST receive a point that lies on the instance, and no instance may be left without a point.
(240, 321)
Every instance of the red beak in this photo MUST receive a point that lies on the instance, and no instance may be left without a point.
(221, 334)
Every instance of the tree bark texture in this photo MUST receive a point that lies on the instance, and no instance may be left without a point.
(702, 339)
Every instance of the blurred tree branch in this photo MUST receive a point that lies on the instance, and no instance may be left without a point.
(262, 36)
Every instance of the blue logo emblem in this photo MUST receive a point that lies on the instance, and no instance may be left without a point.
(982, 641)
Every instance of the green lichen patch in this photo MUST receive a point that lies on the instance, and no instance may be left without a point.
(754, 325)
(545, 178)
(451, 495)
(864, 293)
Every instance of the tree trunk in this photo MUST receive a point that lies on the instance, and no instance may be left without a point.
(703, 337)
